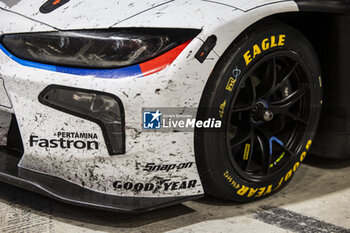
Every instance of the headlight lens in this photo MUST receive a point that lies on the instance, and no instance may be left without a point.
(97, 48)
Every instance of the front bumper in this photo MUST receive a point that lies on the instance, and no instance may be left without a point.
(94, 177)
(67, 192)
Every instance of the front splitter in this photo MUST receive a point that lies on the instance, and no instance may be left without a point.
(67, 192)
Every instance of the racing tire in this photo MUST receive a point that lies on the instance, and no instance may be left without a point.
(267, 91)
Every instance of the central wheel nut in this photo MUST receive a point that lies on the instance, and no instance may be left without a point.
(261, 113)
(268, 115)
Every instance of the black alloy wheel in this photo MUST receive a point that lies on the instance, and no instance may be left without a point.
(268, 116)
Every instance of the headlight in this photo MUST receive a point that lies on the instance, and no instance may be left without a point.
(95, 48)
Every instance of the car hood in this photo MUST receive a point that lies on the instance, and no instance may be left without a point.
(80, 14)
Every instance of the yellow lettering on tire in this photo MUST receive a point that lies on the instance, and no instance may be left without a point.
(247, 57)
(296, 166)
(256, 50)
(269, 190)
(279, 184)
(261, 192)
(230, 84)
(243, 190)
(281, 40)
(302, 156)
(265, 45)
(273, 41)
(308, 145)
(288, 175)
(252, 192)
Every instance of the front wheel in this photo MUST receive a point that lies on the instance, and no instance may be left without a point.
(266, 90)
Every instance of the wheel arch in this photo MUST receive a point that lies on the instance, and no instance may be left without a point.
(330, 41)
(326, 6)
(333, 50)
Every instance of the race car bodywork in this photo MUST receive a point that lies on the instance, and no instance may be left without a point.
(66, 155)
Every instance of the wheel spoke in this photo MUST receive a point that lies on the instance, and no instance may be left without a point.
(241, 137)
(264, 153)
(274, 81)
(275, 86)
(288, 75)
(270, 79)
(242, 108)
(245, 97)
(282, 110)
(287, 150)
(292, 98)
(252, 86)
(295, 117)
(239, 117)
(251, 151)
